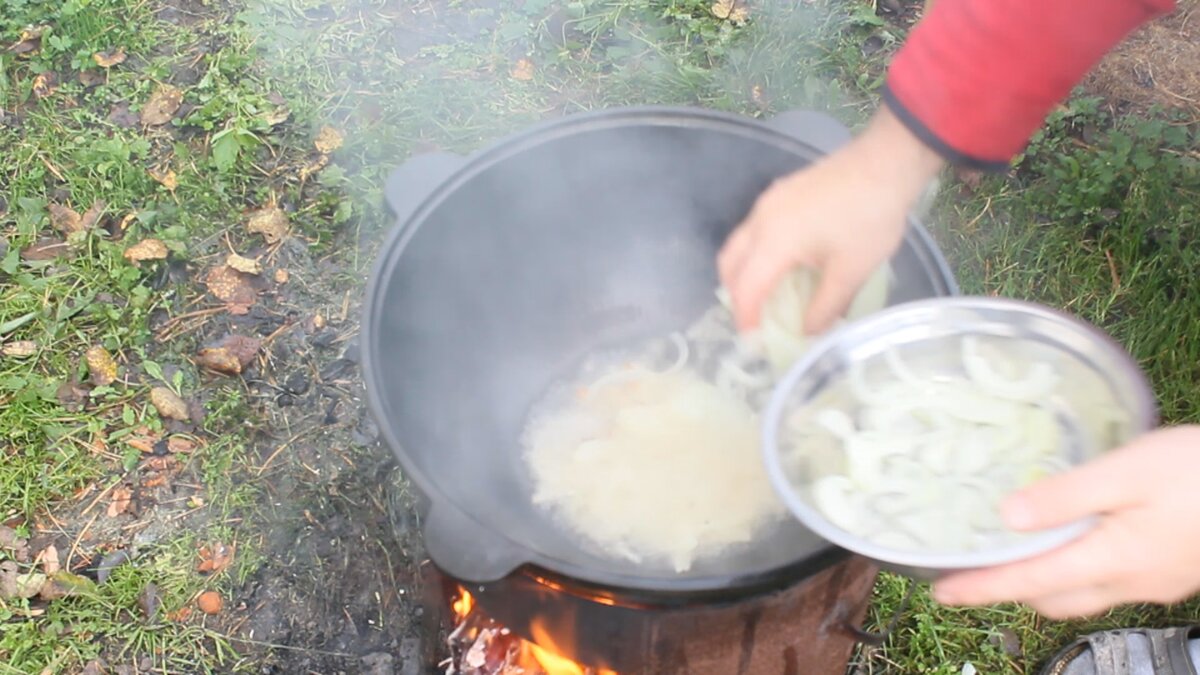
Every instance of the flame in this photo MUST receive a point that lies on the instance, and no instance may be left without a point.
(542, 658)
(550, 661)
(463, 604)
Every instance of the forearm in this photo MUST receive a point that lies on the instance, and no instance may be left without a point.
(977, 77)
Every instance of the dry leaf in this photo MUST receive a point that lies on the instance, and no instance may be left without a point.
(8, 579)
(90, 217)
(63, 584)
(210, 602)
(731, 10)
(143, 440)
(109, 58)
(45, 249)
(180, 615)
(119, 501)
(277, 116)
(328, 140)
(231, 355)
(30, 41)
(19, 348)
(18, 547)
(232, 287)
(91, 78)
(168, 404)
(166, 178)
(180, 444)
(314, 166)
(149, 601)
(271, 223)
(127, 220)
(48, 558)
(244, 265)
(522, 70)
(161, 107)
(64, 219)
(44, 85)
(101, 365)
(29, 585)
(214, 558)
(93, 667)
(146, 249)
(282, 276)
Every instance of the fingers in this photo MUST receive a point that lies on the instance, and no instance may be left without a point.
(1085, 564)
(840, 282)
(753, 282)
(1096, 487)
(1076, 604)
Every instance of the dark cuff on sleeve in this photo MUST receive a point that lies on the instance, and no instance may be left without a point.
(926, 136)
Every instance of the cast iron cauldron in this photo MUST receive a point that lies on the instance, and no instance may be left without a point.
(507, 267)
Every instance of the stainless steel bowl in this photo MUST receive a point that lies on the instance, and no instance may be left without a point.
(1097, 375)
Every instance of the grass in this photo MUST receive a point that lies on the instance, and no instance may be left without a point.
(1097, 218)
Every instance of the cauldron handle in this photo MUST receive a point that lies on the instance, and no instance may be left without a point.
(464, 549)
(412, 182)
(874, 639)
(816, 129)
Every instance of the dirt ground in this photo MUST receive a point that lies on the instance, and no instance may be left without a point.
(1159, 65)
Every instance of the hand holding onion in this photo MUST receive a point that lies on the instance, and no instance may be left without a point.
(1146, 547)
(843, 216)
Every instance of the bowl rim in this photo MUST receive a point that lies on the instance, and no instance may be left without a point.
(1145, 418)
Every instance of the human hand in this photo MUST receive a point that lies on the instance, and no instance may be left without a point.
(844, 216)
(1145, 548)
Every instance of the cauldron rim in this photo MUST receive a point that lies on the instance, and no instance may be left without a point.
(513, 554)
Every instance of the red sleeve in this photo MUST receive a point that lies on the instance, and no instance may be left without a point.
(976, 78)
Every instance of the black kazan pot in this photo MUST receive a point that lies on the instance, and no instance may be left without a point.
(506, 267)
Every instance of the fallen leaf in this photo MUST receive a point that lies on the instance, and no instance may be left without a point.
(64, 219)
(93, 667)
(111, 561)
(165, 463)
(29, 585)
(101, 366)
(328, 140)
(19, 348)
(219, 359)
(48, 558)
(314, 166)
(281, 276)
(45, 249)
(146, 249)
(126, 221)
(8, 579)
(215, 558)
(167, 178)
(232, 287)
(168, 404)
(210, 602)
(231, 355)
(277, 116)
(180, 444)
(29, 42)
(522, 70)
(242, 264)
(142, 439)
(271, 223)
(731, 10)
(119, 502)
(18, 547)
(180, 615)
(149, 602)
(89, 218)
(161, 107)
(44, 85)
(109, 58)
(63, 584)
(71, 396)
(91, 78)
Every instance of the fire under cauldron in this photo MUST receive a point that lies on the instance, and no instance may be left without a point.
(505, 269)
